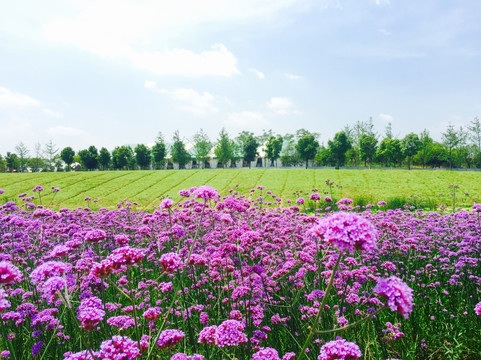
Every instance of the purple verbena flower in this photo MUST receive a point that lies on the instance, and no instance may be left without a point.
(339, 349)
(169, 338)
(397, 293)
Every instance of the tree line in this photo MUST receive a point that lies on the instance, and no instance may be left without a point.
(356, 145)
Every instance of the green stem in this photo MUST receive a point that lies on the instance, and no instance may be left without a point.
(321, 310)
(350, 325)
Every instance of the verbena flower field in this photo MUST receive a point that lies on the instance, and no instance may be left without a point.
(239, 277)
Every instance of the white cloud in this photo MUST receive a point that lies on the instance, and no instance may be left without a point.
(384, 32)
(149, 84)
(381, 2)
(247, 120)
(191, 101)
(217, 62)
(10, 98)
(386, 117)
(52, 113)
(60, 131)
(293, 76)
(259, 74)
(281, 106)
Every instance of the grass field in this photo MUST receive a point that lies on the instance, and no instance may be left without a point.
(148, 187)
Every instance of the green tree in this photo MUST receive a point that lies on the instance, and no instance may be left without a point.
(367, 148)
(143, 156)
(104, 158)
(178, 152)
(3, 164)
(338, 147)
(307, 147)
(12, 161)
(410, 145)
(202, 147)
(67, 155)
(159, 151)
(437, 156)
(425, 145)
(248, 145)
(273, 148)
(22, 152)
(289, 155)
(50, 150)
(89, 158)
(223, 151)
(122, 157)
(389, 151)
(452, 138)
(475, 137)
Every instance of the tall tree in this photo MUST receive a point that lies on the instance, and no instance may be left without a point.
(159, 151)
(179, 154)
(50, 150)
(104, 158)
(12, 161)
(223, 151)
(389, 151)
(289, 155)
(89, 158)
(122, 157)
(410, 145)
(475, 137)
(388, 131)
(22, 152)
(338, 147)
(143, 156)
(452, 138)
(425, 145)
(67, 155)
(3, 164)
(202, 147)
(367, 148)
(273, 148)
(250, 149)
(248, 145)
(307, 147)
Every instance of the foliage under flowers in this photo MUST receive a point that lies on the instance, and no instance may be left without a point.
(228, 277)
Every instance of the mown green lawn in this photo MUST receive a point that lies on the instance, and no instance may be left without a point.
(148, 187)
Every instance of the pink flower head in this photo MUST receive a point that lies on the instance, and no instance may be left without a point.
(125, 255)
(477, 308)
(95, 235)
(48, 269)
(344, 201)
(171, 262)
(169, 338)
(9, 273)
(300, 201)
(315, 196)
(347, 231)
(230, 333)
(381, 203)
(327, 199)
(208, 335)
(166, 204)
(89, 317)
(184, 193)
(206, 193)
(266, 354)
(81, 355)
(397, 293)
(119, 348)
(339, 349)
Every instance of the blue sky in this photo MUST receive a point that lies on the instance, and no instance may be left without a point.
(114, 72)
